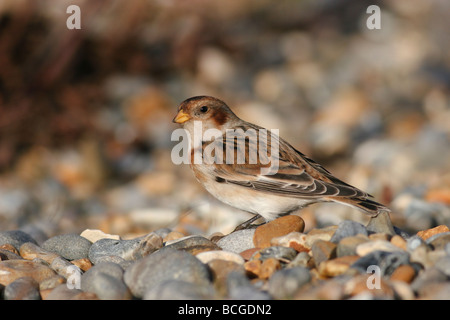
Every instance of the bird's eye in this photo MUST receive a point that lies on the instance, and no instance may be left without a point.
(204, 109)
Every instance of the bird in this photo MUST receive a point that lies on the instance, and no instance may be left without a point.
(249, 185)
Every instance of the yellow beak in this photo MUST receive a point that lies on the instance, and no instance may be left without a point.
(181, 117)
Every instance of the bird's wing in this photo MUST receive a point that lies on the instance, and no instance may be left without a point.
(296, 176)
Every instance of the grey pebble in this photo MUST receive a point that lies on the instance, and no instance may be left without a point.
(348, 228)
(25, 288)
(285, 283)
(165, 264)
(106, 281)
(240, 288)
(68, 246)
(16, 238)
(111, 247)
(381, 224)
(237, 241)
(107, 287)
(284, 254)
(64, 268)
(179, 290)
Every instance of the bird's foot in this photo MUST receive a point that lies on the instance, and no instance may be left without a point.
(248, 224)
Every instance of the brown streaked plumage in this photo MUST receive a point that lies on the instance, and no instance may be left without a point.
(298, 182)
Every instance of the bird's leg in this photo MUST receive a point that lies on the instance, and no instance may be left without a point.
(247, 224)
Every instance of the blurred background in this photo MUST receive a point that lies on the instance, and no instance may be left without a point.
(85, 115)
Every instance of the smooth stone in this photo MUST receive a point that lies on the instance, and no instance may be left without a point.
(381, 224)
(337, 266)
(147, 245)
(426, 277)
(25, 288)
(8, 255)
(84, 264)
(323, 250)
(112, 269)
(62, 292)
(106, 281)
(268, 268)
(110, 247)
(295, 240)
(64, 268)
(240, 288)
(301, 260)
(425, 234)
(414, 242)
(30, 251)
(193, 244)
(208, 256)
(220, 269)
(286, 282)
(179, 290)
(398, 241)
(319, 234)
(94, 235)
(68, 246)
(51, 282)
(348, 228)
(237, 241)
(107, 287)
(114, 259)
(443, 264)
(284, 254)
(439, 241)
(347, 246)
(10, 270)
(277, 228)
(377, 245)
(404, 273)
(165, 264)
(16, 238)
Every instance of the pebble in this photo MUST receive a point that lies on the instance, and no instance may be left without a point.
(404, 273)
(348, 228)
(377, 245)
(25, 288)
(179, 290)
(283, 254)
(286, 282)
(208, 256)
(220, 269)
(10, 270)
(16, 238)
(425, 234)
(337, 266)
(240, 288)
(109, 247)
(68, 246)
(192, 244)
(165, 264)
(323, 250)
(94, 235)
(381, 224)
(347, 246)
(237, 241)
(276, 228)
(30, 251)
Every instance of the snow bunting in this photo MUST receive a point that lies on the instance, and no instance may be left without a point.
(243, 180)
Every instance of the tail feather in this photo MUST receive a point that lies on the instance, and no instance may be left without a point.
(370, 207)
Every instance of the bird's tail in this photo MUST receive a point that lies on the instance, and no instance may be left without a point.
(370, 207)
